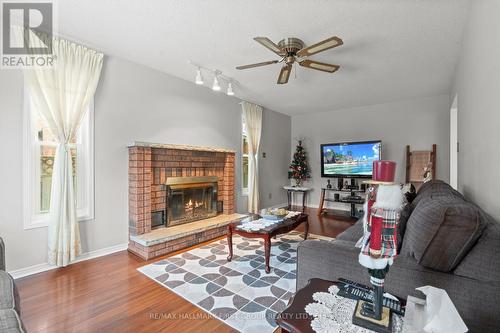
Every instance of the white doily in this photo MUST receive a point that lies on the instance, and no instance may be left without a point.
(333, 314)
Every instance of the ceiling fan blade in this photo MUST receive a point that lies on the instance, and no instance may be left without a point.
(269, 44)
(320, 47)
(258, 64)
(284, 74)
(320, 66)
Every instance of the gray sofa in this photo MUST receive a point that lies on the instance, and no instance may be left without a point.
(447, 242)
(10, 321)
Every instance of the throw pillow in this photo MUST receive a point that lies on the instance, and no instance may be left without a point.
(441, 230)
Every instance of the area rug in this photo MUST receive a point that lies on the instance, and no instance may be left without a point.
(240, 293)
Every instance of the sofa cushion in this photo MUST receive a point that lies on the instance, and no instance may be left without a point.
(403, 220)
(435, 189)
(441, 230)
(10, 322)
(483, 261)
(353, 233)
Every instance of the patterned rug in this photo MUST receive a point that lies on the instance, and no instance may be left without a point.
(239, 293)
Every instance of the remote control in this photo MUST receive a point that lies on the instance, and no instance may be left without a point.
(355, 284)
(358, 291)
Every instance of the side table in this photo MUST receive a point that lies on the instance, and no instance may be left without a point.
(290, 190)
(294, 319)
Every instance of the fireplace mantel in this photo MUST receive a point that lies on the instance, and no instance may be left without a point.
(179, 147)
(151, 166)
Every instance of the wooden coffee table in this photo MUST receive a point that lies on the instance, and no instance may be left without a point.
(266, 233)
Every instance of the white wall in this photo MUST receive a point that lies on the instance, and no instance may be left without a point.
(132, 103)
(273, 169)
(477, 86)
(419, 123)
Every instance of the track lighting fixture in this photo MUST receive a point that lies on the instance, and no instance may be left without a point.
(219, 78)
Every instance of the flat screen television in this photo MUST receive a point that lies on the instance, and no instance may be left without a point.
(349, 159)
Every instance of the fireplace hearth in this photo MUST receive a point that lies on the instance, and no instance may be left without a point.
(190, 199)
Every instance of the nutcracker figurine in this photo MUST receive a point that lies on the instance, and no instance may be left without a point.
(379, 243)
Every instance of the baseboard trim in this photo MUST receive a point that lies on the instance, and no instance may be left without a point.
(27, 271)
(312, 206)
(281, 205)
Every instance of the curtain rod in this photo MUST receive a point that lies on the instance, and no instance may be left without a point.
(76, 41)
(242, 101)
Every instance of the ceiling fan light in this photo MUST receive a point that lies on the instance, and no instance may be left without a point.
(230, 91)
(215, 85)
(199, 78)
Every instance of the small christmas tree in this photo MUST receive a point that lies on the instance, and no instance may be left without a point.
(299, 169)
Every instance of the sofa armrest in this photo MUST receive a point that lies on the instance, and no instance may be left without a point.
(475, 300)
(2, 255)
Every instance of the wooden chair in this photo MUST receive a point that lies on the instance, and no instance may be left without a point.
(419, 163)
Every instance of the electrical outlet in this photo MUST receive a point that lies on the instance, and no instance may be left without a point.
(264, 155)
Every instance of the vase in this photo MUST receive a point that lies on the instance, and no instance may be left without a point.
(298, 182)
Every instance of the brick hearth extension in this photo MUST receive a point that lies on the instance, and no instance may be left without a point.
(150, 165)
(165, 240)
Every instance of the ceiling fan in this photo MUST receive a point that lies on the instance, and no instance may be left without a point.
(293, 50)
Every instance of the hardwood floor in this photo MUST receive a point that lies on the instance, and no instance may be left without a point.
(108, 294)
(325, 225)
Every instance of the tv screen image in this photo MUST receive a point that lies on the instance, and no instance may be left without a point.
(351, 159)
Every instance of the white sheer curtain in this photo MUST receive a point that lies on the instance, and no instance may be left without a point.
(253, 122)
(61, 94)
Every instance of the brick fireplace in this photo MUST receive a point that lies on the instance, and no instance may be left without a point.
(157, 174)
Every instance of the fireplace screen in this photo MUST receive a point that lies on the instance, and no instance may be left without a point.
(190, 199)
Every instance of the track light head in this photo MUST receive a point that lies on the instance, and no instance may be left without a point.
(230, 91)
(215, 85)
(199, 78)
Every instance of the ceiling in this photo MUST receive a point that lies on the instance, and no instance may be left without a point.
(393, 49)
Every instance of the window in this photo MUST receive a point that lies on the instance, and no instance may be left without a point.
(39, 151)
(244, 157)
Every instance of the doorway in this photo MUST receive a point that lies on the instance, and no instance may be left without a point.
(454, 147)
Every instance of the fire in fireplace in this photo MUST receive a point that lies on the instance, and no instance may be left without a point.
(190, 199)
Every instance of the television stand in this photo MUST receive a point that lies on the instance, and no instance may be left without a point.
(355, 197)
